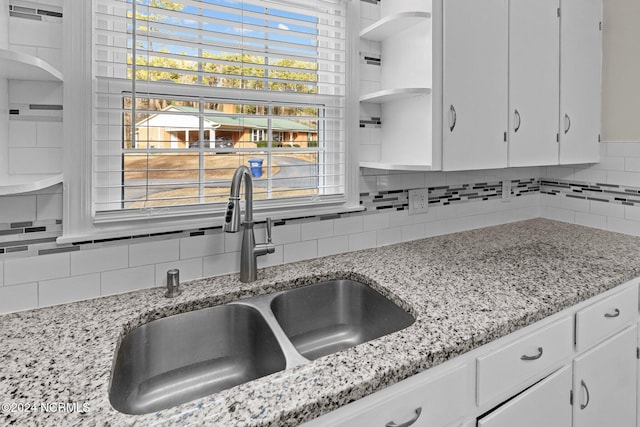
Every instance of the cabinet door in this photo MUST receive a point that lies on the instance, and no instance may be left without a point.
(580, 80)
(545, 404)
(534, 82)
(475, 84)
(604, 383)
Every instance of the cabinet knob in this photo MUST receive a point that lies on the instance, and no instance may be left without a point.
(407, 423)
(516, 121)
(567, 123)
(452, 118)
(536, 357)
(586, 389)
(616, 313)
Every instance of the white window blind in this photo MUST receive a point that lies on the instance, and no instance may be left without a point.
(188, 91)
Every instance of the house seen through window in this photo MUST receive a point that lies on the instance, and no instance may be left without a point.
(188, 91)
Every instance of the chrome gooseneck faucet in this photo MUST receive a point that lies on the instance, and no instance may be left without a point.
(250, 250)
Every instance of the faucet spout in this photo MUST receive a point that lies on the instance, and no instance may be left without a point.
(232, 221)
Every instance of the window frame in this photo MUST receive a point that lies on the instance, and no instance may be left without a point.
(79, 120)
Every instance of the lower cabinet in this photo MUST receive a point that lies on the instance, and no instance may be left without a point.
(604, 383)
(544, 404)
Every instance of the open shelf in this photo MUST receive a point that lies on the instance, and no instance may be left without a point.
(392, 24)
(395, 166)
(388, 95)
(17, 184)
(21, 66)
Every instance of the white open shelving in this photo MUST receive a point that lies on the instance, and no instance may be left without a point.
(22, 66)
(388, 95)
(389, 25)
(17, 184)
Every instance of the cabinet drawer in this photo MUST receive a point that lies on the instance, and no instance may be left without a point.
(442, 398)
(545, 404)
(605, 317)
(523, 361)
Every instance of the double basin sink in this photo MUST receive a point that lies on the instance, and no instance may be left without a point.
(187, 356)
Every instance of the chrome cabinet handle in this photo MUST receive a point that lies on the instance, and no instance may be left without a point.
(516, 121)
(616, 313)
(586, 389)
(269, 225)
(407, 423)
(567, 123)
(453, 118)
(536, 357)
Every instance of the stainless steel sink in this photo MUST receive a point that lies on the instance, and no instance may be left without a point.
(328, 317)
(183, 357)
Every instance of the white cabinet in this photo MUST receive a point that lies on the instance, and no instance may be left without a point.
(604, 383)
(534, 82)
(580, 81)
(545, 404)
(475, 57)
(405, 97)
(30, 98)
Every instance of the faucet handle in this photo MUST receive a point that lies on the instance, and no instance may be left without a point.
(269, 225)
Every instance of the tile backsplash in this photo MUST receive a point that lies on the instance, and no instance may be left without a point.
(36, 272)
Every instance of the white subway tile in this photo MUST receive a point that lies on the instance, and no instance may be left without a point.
(369, 153)
(590, 175)
(558, 214)
(363, 240)
(389, 182)
(581, 205)
(127, 280)
(18, 298)
(389, 236)
(412, 232)
(632, 164)
(200, 246)
(300, 251)
(610, 163)
(607, 209)
(625, 226)
(424, 217)
(368, 184)
(48, 206)
(17, 208)
(333, 245)
(591, 220)
(632, 213)
(375, 221)
(631, 179)
(36, 268)
(190, 269)
(287, 233)
(1, 272)
(154, 252)
(275, 258)
(226, 263)
(49, 134)
(548, 200)
(435, 228)
(559, 172)
(398, 218)
(233, 241)
(69, 289)
(22, 134)
(623, 149)
(435, 179)
(348, 225)
(35, 160)
(317, 230)
(413, 180)
(98, 260)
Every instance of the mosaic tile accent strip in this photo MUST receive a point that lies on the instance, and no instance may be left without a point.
(599, 192)
(373, 122)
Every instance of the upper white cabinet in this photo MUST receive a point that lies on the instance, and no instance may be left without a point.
(534, 82)
(30, 95)
(475, 84)
(580, 80)
(405, 98)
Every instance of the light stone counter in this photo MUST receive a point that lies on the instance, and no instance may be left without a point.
(464, 289)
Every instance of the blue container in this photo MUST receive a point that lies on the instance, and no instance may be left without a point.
(256, 167)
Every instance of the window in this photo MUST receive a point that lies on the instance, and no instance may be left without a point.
(188, 91)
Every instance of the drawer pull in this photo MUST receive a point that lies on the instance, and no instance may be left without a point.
(616, 313)
(584, 385)
(537, 356)
(408, 423)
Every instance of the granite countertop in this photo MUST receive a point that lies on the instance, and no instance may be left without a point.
(465, 290)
